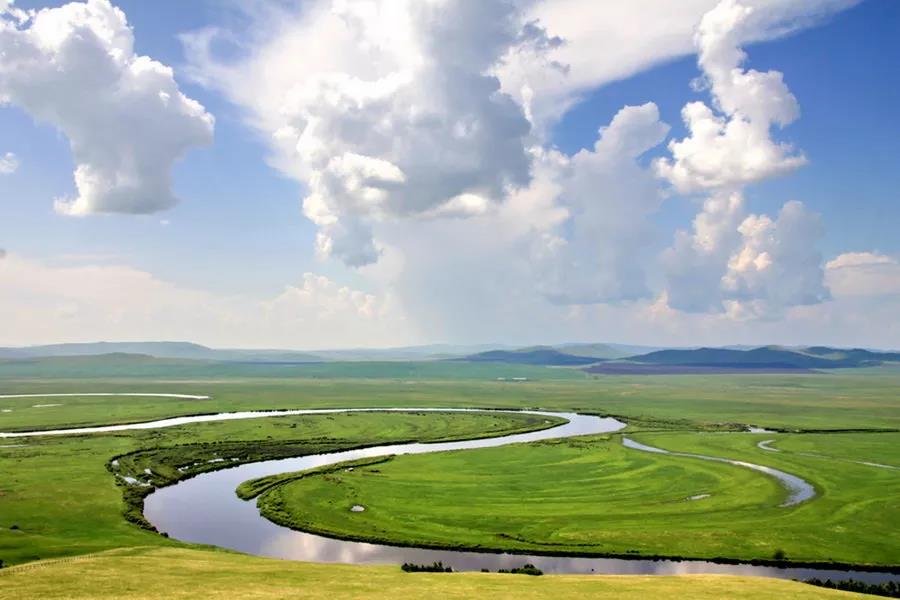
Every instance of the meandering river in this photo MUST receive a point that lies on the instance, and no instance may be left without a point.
(206, 510)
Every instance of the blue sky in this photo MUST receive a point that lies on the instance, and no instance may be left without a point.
(239, 230)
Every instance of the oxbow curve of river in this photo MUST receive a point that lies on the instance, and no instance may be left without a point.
(206, 510)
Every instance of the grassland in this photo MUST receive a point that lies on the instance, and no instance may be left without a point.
(587, 495)
(592, 495)
(146, 367)
(144, 573)
(58, 498)
(835, 400)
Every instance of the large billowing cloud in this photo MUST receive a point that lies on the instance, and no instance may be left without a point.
(123, 114)
(391, 112)
(409, 110)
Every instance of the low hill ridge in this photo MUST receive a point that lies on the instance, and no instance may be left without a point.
(779, 357)
(531, 356)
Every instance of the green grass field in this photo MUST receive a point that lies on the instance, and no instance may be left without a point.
(592, 495)
(835, 400)
(145, 573)
(58, 499)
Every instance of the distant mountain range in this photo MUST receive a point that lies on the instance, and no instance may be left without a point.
(597, 358)
(184, 350)
(188, 350)
(695, 360)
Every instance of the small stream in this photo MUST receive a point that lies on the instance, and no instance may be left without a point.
(798, 489)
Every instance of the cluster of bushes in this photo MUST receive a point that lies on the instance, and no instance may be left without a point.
(437, 567)
(891, 589)
(528, 569)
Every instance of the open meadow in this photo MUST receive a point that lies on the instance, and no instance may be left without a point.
(70, 495)
(593, 495)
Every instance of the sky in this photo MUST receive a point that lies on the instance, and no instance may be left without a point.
(369, 173)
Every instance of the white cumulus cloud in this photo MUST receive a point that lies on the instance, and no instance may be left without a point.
(125, 118)
(731, 145)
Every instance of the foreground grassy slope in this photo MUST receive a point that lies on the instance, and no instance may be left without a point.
(592, 495)
(836, 400)
(142, 573)
(57, 497)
